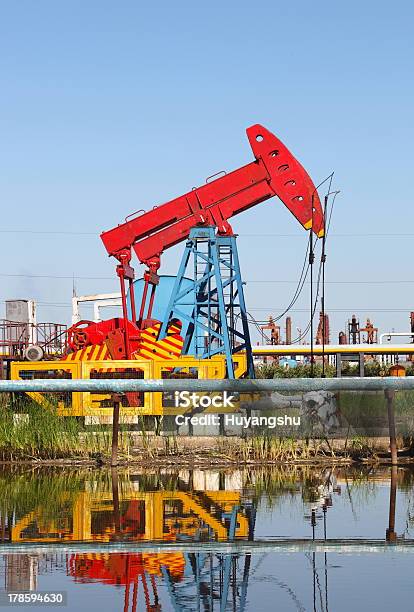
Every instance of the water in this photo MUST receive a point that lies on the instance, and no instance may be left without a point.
(303, 538)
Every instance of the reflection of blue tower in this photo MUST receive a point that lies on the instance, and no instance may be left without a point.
(212, 580)
(217, 320)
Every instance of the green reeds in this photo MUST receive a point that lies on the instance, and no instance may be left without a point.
(271, 449)
(39, 433)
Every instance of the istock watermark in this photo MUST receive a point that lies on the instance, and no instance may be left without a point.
(186, 399)
(236, 420)
(199, 402)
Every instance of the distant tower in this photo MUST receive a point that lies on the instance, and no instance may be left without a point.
(289, 330)
(371, 331)
(323, 329)
(354, 331)
(274, 331)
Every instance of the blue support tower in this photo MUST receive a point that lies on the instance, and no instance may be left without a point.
(218, 320)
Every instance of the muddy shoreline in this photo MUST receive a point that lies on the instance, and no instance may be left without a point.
(212, 452)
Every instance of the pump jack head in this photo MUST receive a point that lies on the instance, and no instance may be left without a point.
(288, 178)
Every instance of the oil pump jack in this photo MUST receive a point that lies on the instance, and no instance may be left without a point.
(212, 304)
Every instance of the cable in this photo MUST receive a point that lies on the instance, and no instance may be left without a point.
(350, 235)
(260, 309)
(315, 303)
(311, 250)
(252, 321)
(350, 309)
(345, 282)
(299, 286)
(256, 323)
(330, 214)
(251, 281)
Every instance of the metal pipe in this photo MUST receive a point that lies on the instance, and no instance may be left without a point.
(395, 383)
(143, 302)
(121, 275)
(332, 349)
(389, 395)
(347, 546)
(397, 334)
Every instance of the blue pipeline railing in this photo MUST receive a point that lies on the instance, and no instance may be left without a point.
(112, 385)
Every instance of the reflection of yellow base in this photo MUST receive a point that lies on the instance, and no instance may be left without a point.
(167, 514)
(98, 404)
(174, 562)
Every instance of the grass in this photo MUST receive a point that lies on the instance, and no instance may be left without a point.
(271, 449)
(274, 370)
(367, 412)
(39, 433)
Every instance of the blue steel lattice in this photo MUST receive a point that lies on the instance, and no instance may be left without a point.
(218, 320)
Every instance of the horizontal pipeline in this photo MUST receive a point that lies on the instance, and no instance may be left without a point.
(303, 385)
(277, 546)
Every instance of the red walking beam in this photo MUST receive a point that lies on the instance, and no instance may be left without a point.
(275, 171)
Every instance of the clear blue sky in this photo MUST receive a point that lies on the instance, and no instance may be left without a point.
(109, 107)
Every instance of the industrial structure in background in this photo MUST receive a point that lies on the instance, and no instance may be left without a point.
(359, 345)
(274, 336)
(322, 333)
(355, 330)
(22, 337)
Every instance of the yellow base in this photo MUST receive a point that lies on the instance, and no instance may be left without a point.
(98, 404)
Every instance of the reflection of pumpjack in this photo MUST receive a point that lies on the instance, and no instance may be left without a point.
(159, 515)
(154, 516)
(215, 575)
(118, 569)
(190, 577)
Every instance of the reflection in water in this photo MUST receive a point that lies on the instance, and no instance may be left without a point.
(206, 578)
(132, 508)
(194, 506)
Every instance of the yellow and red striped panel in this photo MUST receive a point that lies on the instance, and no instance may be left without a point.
(94, 352)
(168, 348)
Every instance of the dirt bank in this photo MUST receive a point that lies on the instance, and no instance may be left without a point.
(233, 451)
